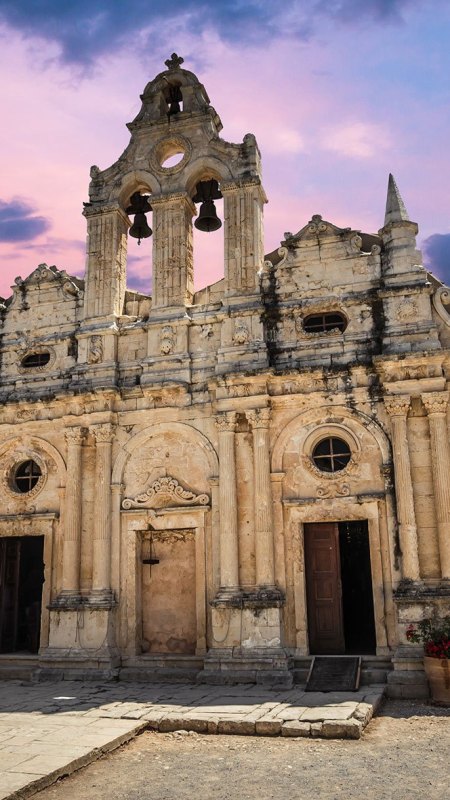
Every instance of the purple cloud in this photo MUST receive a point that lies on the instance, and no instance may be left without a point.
(437, 255)
(86, 29)
(18, 223)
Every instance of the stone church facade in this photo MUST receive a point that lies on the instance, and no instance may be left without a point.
(223, 482)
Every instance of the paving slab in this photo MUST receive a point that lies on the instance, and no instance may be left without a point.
(48, 730)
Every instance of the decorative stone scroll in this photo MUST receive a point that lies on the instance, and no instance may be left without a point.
(440, 299)
(165, 492)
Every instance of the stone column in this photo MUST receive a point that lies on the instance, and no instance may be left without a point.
(72, 515)
(173, 266)
(229, 548)
(436, 407)
(262, 494)
(106, 261)
(397, 407)
(243, 234)
(101, 568)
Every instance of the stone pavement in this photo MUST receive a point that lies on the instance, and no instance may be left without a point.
(48, 730)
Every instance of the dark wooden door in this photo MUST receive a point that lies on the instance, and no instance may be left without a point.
(323, 588)
(9, 593)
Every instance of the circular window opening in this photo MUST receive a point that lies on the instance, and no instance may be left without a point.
(172, 160)
(322, 323)
(35, 360)
(26, 476)
(331, 454)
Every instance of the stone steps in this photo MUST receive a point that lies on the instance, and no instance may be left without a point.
(374, 670)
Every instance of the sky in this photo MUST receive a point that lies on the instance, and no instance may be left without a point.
(338, 93)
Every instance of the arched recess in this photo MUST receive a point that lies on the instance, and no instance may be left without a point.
(185, 431)
(359, 492)
(336, 415)
(205, 168)
(32, 441)
(135, 181)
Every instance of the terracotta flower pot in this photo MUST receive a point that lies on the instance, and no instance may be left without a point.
(437, 671)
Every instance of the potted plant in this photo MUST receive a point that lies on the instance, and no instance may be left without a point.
(434, 634)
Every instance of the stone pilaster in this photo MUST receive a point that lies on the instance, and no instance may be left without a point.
(436, 404)
(72, 517)
(106, 261)
(101, 568)
(173, 266)
(263, 511)
(397, 407)
(243, 235)
(229, 547)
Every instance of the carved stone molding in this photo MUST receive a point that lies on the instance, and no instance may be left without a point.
(167, 340)
(167, 146)
(435, 402)
(397, 405)
(75, 436)
(241, 333)
(333, 490)
(259, 417)
(350, 468)
(171, 536)
(103, 433)
(95, 349)
(226, 421)
(27, 349)
(440, 299)
(165, 492)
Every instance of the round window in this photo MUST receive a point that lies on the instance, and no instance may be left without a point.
(322, 323)
(33, 360)
(331, 454)
(26, 476)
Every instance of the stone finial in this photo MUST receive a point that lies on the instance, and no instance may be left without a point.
(174, 61)
(395, 207)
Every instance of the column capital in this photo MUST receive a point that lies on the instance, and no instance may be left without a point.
(103, 432)
(259, 417)
(397, 405)
(226, 421)
(75, 436)
(174, 199)
(435, 402)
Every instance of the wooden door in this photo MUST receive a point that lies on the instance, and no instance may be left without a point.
(323, 588)
(9, 593)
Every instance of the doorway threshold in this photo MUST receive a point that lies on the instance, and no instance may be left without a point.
(334, 674)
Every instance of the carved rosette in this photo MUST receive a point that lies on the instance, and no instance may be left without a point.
(397, 405)
(165, 492)
(259, 417)
(435, 402)
(226, 421)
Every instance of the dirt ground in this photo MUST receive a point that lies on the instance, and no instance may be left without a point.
(404, 754)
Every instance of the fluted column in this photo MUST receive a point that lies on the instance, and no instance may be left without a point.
(436, 407)
(397, 407)
(101, 568)
(72, 515)
(262, 494)
(229, 548)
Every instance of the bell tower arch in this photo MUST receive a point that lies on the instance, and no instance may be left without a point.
(176, 118)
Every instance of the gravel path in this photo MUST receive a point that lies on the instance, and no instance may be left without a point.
(404, 754)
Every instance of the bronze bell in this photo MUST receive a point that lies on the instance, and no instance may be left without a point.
(140, 228)
(139, 205)
(206, 193)
(175, 98)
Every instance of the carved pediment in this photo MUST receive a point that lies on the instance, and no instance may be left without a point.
(165, 492)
